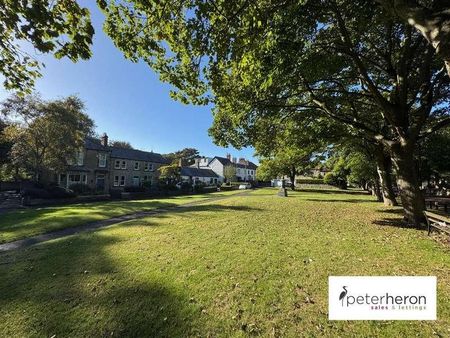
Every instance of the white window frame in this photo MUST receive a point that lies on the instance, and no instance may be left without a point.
(116, 181)
(117, 164)
(102, 160)
(122, 181)
(150, 166)
(123, 165)
(137, 165)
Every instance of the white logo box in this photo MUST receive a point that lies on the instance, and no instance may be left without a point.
(382, 298)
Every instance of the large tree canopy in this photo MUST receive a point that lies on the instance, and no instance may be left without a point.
(60, 27)
(45, 135)
(430, 17)
(349, 61)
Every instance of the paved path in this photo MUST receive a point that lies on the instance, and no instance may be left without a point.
(26, 242)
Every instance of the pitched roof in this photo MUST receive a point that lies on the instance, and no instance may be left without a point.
(225, 161)
(138, 155)
(129, 154)
(94, 144)
(197, 172)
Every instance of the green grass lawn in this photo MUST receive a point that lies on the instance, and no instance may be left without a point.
(28, 222)
(242, 266)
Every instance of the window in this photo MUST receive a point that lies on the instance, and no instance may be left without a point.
(122, 181)
(211, 180)
(102, 160)
(75, 178)
(148, 166)
(117, 164)
(136, 165)
(116, 181)
(124, 165)
(135, 181)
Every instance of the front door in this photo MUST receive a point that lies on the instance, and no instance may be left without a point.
(100, 183)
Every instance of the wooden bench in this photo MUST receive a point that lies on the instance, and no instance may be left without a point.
(437, 221)
(437, 202)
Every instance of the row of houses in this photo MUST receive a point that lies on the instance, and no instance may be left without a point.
(102, 167)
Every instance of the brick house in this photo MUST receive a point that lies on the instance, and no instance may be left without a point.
(102, 167)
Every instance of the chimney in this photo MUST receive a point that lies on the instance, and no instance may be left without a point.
(197, 162)
(104, 140)
(234, 160)
(229, 157)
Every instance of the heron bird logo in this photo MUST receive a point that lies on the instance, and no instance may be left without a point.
(342, 295)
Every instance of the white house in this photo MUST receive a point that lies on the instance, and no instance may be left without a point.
(245, 170)
(205, 175)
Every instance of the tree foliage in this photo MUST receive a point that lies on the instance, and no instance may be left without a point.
(60, 27)
(121, 144)
(229, 172)
(49, 135)
(186, 155)
(348, 61)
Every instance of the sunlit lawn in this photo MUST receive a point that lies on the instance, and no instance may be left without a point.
(24, 223)
(243, 266)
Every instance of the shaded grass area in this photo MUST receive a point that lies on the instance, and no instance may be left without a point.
(254, 265)
(19, 224)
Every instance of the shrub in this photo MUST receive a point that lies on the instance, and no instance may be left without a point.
(330, 179)
(199, 187)
(80, 188)
(134, 189)
(115, 193)
(310, 180)
(185, 187)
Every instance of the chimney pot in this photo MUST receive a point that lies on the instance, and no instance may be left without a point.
(104, 140)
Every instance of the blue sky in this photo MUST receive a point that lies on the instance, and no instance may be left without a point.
(127, 100)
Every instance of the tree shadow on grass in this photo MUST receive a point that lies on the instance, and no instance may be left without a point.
(77, 287)
(397, 223)
(340, 200)
(332, 191)
(151, 220)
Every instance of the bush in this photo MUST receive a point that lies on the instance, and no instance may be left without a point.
(225, 187)
(134, 189)
(310, 180)
(80, 188)
(332, 179)
(51, 191)
(115, 193)
(199, 187)
(185, 187)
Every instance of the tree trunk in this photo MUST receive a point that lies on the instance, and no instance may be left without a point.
(413, 201)
(384, 169)
(377, 190)
(292, 178)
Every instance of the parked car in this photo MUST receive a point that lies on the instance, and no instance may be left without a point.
(245, 186)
